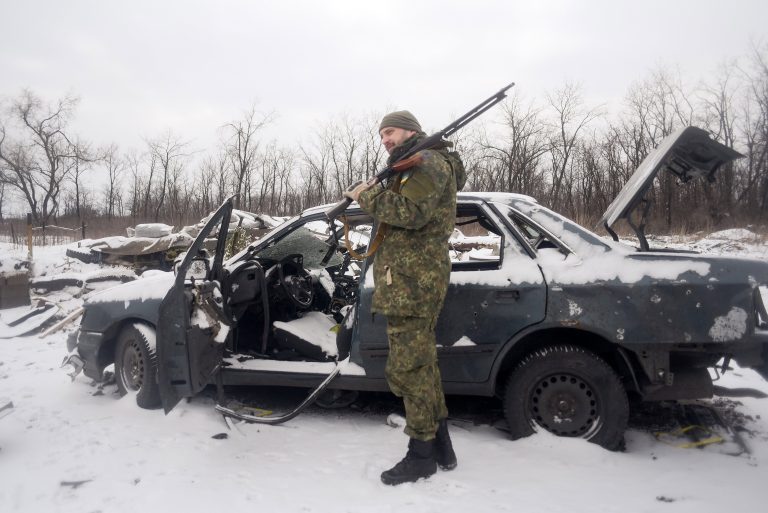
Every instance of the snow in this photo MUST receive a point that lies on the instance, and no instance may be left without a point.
(136, 245)
(13, 264)
(22, 328)
(154, 286)
(457, 237)
(325, 280)
(736, 234)
(153, 230)
(75, 447)
(321, 368)
(318, 227)
(609, 266)
(524, 273)
(464, 341)
(136, 460)
(315, 327)
(149, 335)
(720, 243)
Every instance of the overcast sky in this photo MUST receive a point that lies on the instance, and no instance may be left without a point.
(142, 67)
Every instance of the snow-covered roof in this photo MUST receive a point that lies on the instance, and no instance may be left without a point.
(503, 197)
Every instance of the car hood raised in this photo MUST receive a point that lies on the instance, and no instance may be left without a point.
(688, 153)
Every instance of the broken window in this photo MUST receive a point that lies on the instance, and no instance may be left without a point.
(475, 237)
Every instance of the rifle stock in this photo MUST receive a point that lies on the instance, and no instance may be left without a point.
(406, 161)
(397, 167)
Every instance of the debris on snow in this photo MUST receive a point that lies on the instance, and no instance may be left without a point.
(6, 406)
(75, 484)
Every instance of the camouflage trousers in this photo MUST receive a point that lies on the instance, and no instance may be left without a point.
(412, 373)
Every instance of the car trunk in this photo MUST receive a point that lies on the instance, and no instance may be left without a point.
(688, 153)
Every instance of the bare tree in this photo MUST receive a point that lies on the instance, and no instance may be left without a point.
(37, 164)
(342, 151)
(571, 118)
(2, 199)
(755, 129)
(373, 154)
(80, 162)
(148, 183)
(136, 186)
(212, 182)
(166, 154)
(315, 171)
(242, 147)
(112, 196)
(275, 167)
(658, 106)
(516, 160)
(718, 116)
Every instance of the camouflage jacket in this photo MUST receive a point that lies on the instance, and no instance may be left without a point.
(412, 268)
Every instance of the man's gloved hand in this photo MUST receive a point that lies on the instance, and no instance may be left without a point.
(354, 190)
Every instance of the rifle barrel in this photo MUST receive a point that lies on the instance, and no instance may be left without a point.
(472, 114)
(430, 141)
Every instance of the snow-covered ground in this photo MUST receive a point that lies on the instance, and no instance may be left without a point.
(74, 446)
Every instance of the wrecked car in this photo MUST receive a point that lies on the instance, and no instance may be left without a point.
(563, 325)
(155, 245)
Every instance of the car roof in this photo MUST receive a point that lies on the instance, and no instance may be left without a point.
(503, 197)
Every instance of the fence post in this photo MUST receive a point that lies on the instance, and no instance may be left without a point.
(29, 236)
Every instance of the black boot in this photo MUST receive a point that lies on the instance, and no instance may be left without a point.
(418, 462)
(444, 454)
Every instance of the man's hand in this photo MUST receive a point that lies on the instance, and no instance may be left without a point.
(354, 190)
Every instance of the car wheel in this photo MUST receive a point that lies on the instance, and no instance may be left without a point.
(568, 391)
(136, 365)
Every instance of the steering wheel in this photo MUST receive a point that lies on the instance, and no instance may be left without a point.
(296, 282)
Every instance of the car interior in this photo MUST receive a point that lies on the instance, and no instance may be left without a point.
(292, 299)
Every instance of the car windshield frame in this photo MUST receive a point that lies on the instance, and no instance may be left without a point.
(264, 240)
(317, 251)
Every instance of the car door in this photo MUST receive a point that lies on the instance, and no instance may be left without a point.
(490, 298)
(191, 331)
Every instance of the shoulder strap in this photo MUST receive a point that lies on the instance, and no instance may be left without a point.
(380, 234)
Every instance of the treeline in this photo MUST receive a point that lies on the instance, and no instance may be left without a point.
(569, 154)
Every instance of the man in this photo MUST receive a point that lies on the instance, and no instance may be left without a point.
(417, 212)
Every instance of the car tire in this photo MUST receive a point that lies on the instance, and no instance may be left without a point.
(136, 365)
(568, 391)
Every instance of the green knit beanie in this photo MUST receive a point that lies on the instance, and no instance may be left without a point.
(400, 119)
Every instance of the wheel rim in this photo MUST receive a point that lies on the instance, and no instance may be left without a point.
(132, 369)
(565, 405)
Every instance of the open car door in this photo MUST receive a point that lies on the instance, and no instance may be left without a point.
(192, 329)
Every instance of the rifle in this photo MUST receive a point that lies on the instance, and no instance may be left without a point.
(411, 158)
